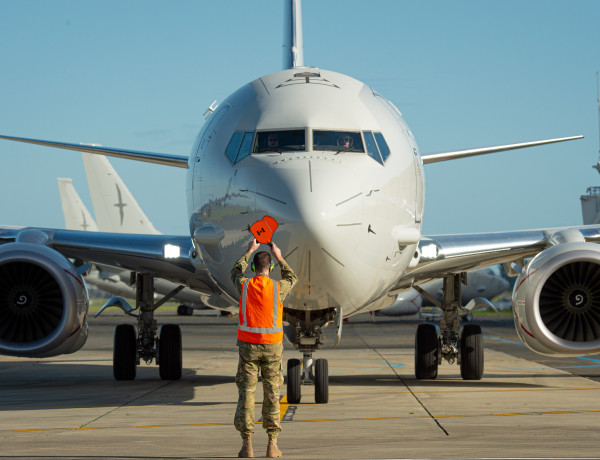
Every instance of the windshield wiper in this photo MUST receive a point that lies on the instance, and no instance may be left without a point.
(347, 150)
(269, 149)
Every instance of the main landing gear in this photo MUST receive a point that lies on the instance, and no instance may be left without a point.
(305, 334)
(130, 346)
(185, 310)
(453, 343)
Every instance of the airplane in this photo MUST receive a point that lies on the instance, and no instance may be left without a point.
(407, 302)
(117, 211)
(350, 223)
(483, 282)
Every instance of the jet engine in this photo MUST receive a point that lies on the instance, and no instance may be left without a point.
(556, 300)
(43, 302)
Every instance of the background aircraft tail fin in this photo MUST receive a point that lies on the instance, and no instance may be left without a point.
(77, 216)
(115, 207)
(293, 47)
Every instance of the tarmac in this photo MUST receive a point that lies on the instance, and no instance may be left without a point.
(526, 406)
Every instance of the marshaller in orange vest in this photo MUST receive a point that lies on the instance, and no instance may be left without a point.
(260, 342)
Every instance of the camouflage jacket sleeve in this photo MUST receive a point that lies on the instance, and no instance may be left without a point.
(237, 272)
(288, 279)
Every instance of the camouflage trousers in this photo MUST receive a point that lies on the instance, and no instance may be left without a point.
(267, 358)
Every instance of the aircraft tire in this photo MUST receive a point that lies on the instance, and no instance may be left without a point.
(294, 368)
(185, 310)
(321, 381)
(125, 352)
(471, 352)
(170, 352)
(426, 352)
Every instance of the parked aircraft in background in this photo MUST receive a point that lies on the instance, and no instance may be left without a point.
(407, 302)
(483, 282)
(117, 211)
(346, 185)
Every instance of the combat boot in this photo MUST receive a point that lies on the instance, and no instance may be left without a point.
(272, 449)
(246, 451)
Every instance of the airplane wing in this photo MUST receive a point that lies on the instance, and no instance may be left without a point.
(442, 255)
(164, 256)
(454, 155)
(177, 161)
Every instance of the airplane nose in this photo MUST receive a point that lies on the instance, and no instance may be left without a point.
(322, 198)
(320, 210)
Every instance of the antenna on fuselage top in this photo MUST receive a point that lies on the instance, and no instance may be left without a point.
(293, 48)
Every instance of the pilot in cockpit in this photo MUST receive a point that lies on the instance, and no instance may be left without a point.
(345, 141)
(273, 141)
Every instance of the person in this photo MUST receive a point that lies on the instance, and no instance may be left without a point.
(273, 141)
(345, 141)
(260, 342)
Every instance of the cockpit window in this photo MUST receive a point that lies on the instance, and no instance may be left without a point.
(339, 141)
(246, 146)
(372, 147)
(234, 146)
(383, 147)
(377, 147)
(239, 146)
(279, 141)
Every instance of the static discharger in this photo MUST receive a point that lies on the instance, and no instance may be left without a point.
(264, 229)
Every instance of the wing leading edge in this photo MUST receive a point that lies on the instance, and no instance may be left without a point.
(164, 256)
(148, 157)
(442, 255)
(445, 156)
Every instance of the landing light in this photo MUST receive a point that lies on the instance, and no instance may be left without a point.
(429, 252)
(171, 251)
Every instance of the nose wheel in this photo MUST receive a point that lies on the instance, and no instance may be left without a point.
(307, 372)
(294, 369)
(321, 381)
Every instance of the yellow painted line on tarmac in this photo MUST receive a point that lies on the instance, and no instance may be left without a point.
(285, 404)
(435, 417)
(114, 427)
(354, 419)
(463, 391)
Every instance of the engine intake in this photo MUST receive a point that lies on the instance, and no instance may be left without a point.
(43, 302)
(570, 302)
(556, 300)
(31, 302)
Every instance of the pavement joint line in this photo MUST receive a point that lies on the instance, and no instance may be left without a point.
(469, 391)
(350, 419)
(128, 403)
(70, 406)
(393, 368)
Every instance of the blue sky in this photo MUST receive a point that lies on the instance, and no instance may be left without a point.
(465, 74)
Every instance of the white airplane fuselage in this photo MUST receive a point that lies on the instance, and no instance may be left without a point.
(348, 223)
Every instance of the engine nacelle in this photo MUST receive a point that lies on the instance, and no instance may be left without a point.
(556, 300)
(43, 302)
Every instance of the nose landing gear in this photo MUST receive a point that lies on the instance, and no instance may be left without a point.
(306, 336)
(308, 372)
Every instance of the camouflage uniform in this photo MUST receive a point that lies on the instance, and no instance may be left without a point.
(267, 358)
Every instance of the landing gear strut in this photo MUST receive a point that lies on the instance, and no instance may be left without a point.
(130, 348)
(306, 336)
(463, 346)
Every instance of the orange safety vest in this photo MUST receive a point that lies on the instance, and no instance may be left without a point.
(261, 311)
